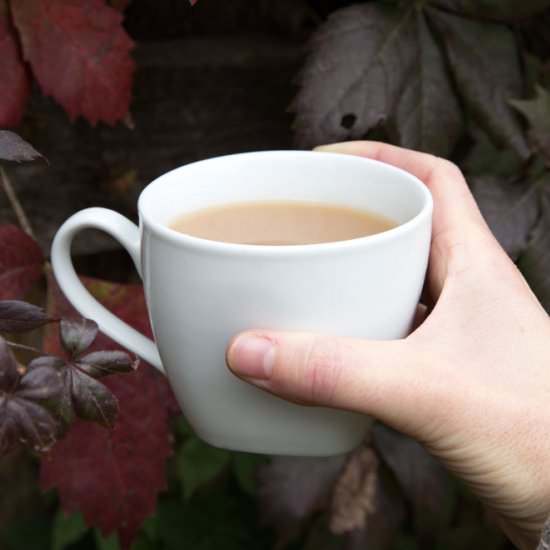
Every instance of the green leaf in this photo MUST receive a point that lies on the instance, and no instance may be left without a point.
(210, 522)
(509, 207)
(485, 61)
(149, 528)
(405, 541)
(537, 113)
(67, 529)
(535, 261)
(429, 117)
(505, 10)
(183, 428)
(198, 463)
(106, 543)
(26, 533)
(356, 72)
(245, 467)
(143, 543)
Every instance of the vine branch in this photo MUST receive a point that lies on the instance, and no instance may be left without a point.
(15, 203)
(16, 345)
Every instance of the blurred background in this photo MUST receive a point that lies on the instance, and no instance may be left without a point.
(461, 79)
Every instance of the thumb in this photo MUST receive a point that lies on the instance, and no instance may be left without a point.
(390, 380)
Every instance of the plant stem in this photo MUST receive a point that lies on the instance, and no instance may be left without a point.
(15, 345)
(16, 204)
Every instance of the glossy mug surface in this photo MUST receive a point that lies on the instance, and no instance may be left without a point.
(200, 293)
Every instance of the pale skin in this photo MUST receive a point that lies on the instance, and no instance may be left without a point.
(471, 382)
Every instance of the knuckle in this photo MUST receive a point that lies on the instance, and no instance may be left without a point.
(323, 367)
(450, 168)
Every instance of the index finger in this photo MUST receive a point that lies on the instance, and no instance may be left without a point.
(456, 217)
(445, 181)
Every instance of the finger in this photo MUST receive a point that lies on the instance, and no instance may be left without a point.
(426, 297)
(458, 226)
(419, 316)
(442, 177)
(386, 379)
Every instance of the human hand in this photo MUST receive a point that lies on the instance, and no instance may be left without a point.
(471, 383)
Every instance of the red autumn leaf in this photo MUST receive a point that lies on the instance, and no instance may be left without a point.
(13, 73)
(21, 262)
(79, 53)
(114, 476)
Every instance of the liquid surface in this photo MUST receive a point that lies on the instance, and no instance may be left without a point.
(281, 223)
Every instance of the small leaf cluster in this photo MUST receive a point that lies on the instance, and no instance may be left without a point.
(40, 398)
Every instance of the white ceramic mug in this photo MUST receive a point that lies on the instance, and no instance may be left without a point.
(201, 293)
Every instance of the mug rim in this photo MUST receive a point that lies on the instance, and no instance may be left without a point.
(197, 243)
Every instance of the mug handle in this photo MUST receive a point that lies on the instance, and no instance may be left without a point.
(128, 235)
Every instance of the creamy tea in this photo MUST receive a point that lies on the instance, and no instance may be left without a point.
(281, 223)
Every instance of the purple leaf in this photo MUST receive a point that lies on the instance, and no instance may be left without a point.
(40, 384)
(485, 63)
(19, 316)
(77, 335)
(92, 400)
(23, 418)
(101, 363)
(46, 361)
(81, 395)
(384, 522)
(428, 115)
(292, 489)
(86, 398)
(12, 147)
(356, 72)
(537, 113)
(8, 368)
(25, 422)
(64, 405)
(423, 480)
(510, 208)
(535, 261)
(502, 10)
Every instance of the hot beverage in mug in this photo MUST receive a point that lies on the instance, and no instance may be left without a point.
(281, 223)
(283, 240)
